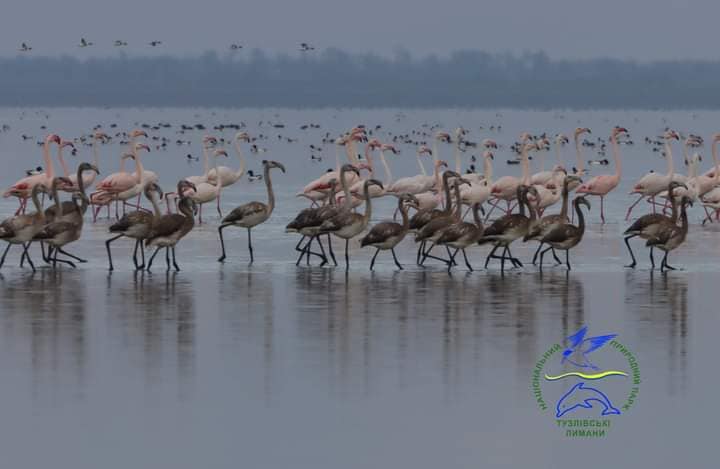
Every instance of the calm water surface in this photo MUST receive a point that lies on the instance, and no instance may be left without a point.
(272, 366)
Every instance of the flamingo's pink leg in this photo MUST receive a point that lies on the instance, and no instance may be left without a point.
(602, 209)
(630, 209)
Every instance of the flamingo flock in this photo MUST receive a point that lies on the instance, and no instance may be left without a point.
(445, 211)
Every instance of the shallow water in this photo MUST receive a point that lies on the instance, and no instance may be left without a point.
(272, 365)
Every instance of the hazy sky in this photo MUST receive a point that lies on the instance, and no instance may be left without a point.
(642, 29)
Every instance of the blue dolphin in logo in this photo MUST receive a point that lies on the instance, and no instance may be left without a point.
(583, 396)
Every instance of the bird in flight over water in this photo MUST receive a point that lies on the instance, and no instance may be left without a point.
(580, 348)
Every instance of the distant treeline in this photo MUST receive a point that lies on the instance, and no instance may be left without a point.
(334, 78)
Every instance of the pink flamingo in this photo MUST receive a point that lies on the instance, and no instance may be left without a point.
(317, 190)
(23, 188)
(120, 185)
(505, 188)
(602, 185)
(652, 183)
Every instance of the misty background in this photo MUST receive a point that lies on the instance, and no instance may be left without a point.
(334, 78)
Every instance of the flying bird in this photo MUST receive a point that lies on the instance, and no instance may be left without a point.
(580, 348)
(304, 47)
(154, 43)
(119, 43)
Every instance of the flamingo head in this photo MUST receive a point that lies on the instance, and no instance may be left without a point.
(582, 130)
(242, 137)
(348, 167)
(53, 138)
(154, 187)
(374, 182)
(273, 164)
(525, 136)
(694, 141)
(671, 135)
(716, 137)
(581, 200)
(209, 141)
(489, 143)
(88, 167)
(138, 133)
(220, 152)
(572, 178)
(617, 130)
(183, 186)
(66, 143)
(443, 137)
(424, 150)
(410, 200)
(488, 154)
(387, 146)
(101, 136)
(374, 143)
(561, 140)
(142, 146)
(439, 163)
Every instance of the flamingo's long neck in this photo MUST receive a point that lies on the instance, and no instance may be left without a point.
(96, 156)
(48, 163)
(206, 160)
(131, 149)
(270, 191)
(673, 204)
(616, 154)
(36, 202)
(66, 173)
(403, 212)
(446, 191)
(138, 166)
(218, 185)
(436, 174)
(579, 156)
(581, 217)
(435, 152)
(352, 152)
(388, 173)
(241, 170)
(337, 158)
(458, 169)
(368, 205)
(458, 202)
(558, 155)
(347, 202)
(525, 167)
(422, 168)
(151, 195)
(368, 158)
(476, 215)
(522, 200)
(58, 205)
(565, 193)
(669, 156)
(488, 170)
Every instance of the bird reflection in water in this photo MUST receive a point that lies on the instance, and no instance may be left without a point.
(47, 313)
(155, 316)
(662, 307)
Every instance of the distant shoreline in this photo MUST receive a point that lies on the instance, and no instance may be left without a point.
(335, 79)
